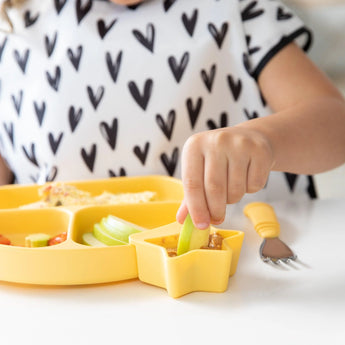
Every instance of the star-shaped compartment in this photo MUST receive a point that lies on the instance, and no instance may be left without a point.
(196, 270)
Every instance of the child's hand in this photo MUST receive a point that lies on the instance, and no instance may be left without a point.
(218, 168)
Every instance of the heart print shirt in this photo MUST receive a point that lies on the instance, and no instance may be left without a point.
(90, 89)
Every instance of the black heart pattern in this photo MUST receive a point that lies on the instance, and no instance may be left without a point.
(235, 87)
(141, 99)
(246, 63)
(282, 15)
(252, 115)
(291, 180)
(54, 143)
(251, 50)
(109, 133)
(22, 60)
(75, 58)
(113, 66)
(31, 155)
(194, 111)
(218, 35)
(17, 101)
(30, 20)
(133, 7)
(178, 69)
(167, 4)
(167, 126)
(83, 9)
(189, 23)
(34, 179)
(50, 44)
(103, 29)
(51, 175)
(250, 11)
(170, 164)
(95, 99)
(311, 188)
(89, 158)
(223, 122)
(209, 78)
(9, 129)
(54, 80)
(121, 173)
(148, 40)
(59, 4)
(142, 154)
(74, 117)
(2, 46)
(40, 111)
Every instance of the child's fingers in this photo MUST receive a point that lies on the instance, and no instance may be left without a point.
(258, 171)
(193, 184)
(237, 179)
(182, 212)
(216, 176)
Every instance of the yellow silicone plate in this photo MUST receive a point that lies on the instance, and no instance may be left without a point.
(196, 270)
(71, 262)
(166, 188)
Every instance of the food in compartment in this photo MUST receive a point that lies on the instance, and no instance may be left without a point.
(109, 231)
(61, 194)
(58, 239)
(107, 198)
(37, 240)
(102, 235)
(171, 252)
(214, 242)
(191, 237)
(4, 240)
(90, 240)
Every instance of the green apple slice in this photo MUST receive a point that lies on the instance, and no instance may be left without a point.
(102, 235)
(117, 229)
(37, 240)
(191, 237)
(90, 240)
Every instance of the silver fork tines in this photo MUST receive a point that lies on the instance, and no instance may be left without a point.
(275, 251)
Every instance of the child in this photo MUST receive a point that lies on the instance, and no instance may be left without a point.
(91, 89)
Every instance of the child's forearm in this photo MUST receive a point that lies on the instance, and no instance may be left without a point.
(307, 138)
(5, 173)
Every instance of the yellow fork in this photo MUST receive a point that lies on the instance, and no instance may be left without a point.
(266, 224)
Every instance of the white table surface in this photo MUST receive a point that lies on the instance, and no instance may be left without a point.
(263, 304)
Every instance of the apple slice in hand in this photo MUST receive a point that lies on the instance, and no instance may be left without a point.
(191, 237)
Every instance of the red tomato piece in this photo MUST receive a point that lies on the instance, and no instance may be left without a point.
(57, 239)
(4, 240)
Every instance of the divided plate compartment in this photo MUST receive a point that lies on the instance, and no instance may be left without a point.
(196, 270)
(71, 262)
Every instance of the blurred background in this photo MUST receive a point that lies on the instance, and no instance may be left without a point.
(326, 18)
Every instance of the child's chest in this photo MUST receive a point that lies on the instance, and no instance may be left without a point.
(78, 75)
(101, 56)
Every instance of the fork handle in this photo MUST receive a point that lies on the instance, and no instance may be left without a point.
(264, 219)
